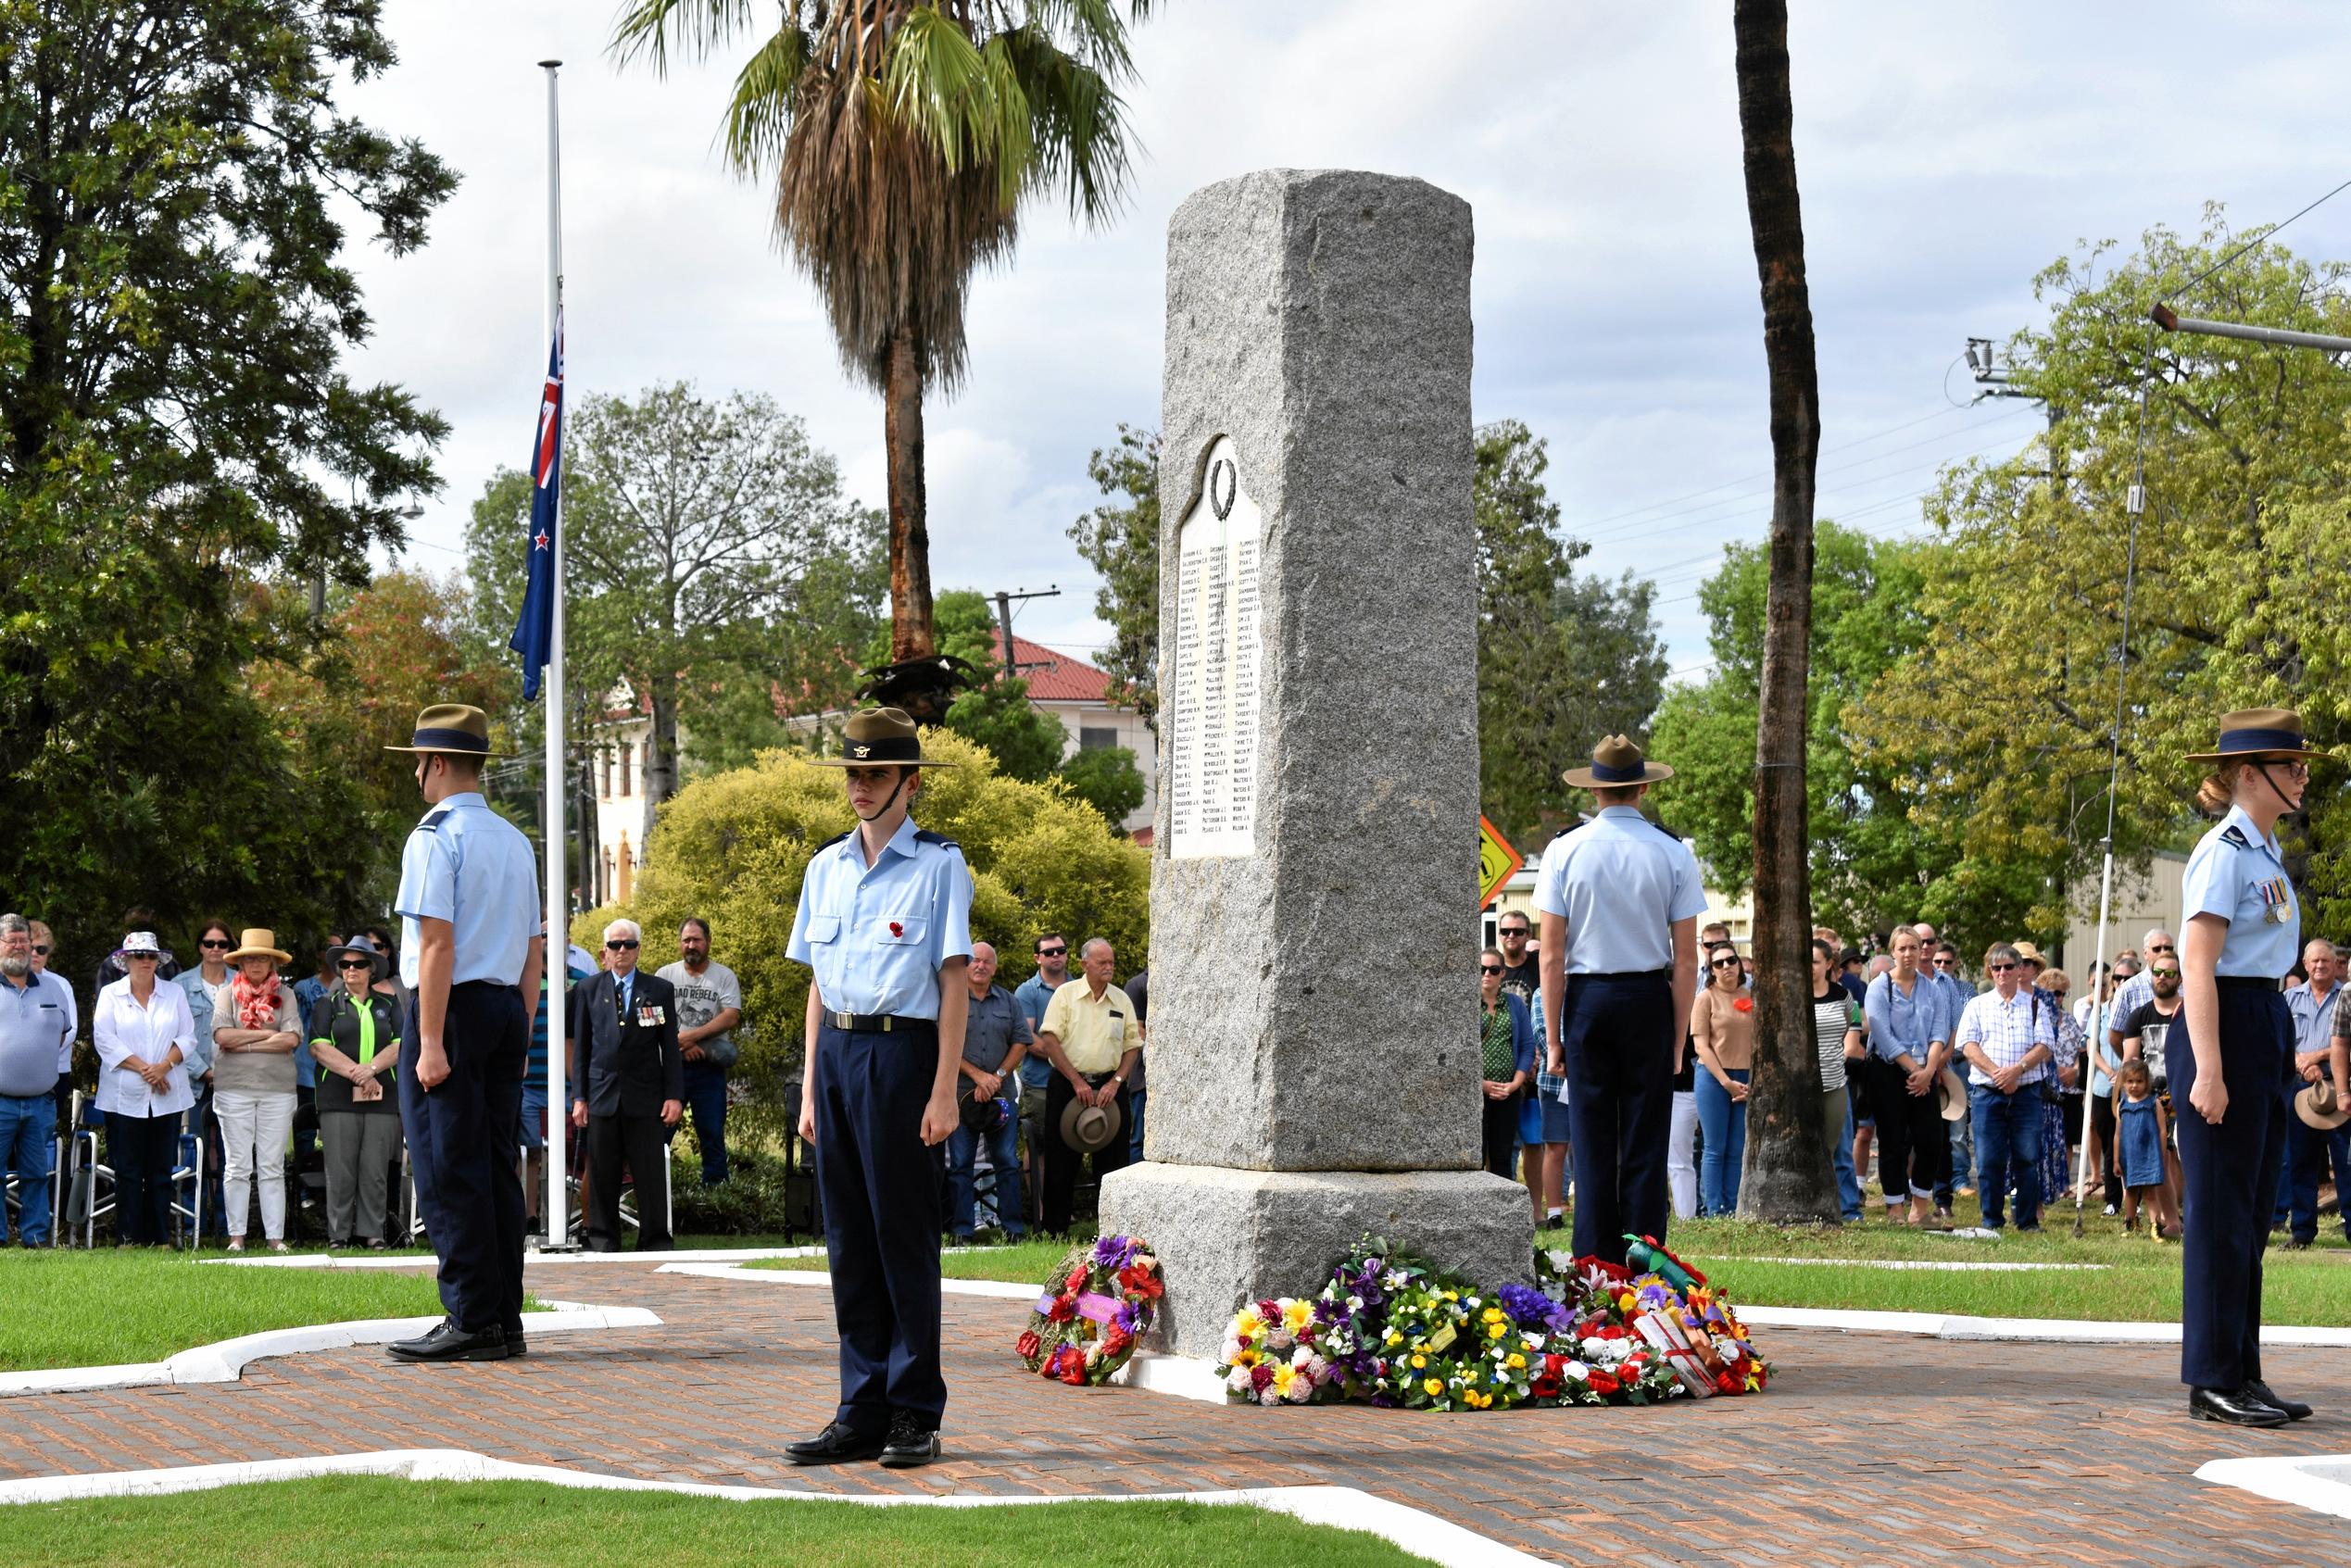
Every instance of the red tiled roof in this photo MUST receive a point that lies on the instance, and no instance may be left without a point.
(1052, 676)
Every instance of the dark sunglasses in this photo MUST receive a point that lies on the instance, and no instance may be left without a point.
(1945, 959)
(618, 944)
(1051, 953)
(1515, 931)
(215, 942)
(1724, 963)
(2161, 947)
(2061, 990)
(355, 963)
(2002, 968)
(40, 950)
(1489, 969)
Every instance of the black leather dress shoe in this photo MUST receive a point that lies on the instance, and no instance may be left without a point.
(448, 1342)
(836, 1444)
(910, 1444)
(2233, 1407)
(2295, 1410)
(515, 1344)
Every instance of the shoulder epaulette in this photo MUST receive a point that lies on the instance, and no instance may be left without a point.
(2234, 835)
(837, 838)
(1663, 828)
(924, 835)
(433, 819)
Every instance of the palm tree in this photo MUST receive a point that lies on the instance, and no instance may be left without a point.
(1788, 1175)
(905, 136)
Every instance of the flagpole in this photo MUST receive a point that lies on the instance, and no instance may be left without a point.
(556, 1211)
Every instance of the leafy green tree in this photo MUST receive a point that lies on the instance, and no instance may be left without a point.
(177, 433)
(1120, 540)
(1107, 779)
(905, 136)
(1562, 659)
(2004, 713)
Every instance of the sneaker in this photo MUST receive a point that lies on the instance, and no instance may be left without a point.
(2112, 1211)
(910, 1442)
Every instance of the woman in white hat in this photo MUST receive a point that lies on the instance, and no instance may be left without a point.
(253, 1083)
(145, 1036)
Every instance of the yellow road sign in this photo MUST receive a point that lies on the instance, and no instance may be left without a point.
(1497, 861)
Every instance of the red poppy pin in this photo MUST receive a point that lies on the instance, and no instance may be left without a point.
(1738, 1004)
(897, 930)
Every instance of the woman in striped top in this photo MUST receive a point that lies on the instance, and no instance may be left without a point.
(1836, 1024)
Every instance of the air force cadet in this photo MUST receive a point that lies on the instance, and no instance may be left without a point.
(470, 952)
(1620, 899)
(884, 921)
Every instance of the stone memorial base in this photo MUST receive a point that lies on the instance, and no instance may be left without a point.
(1224, 1237)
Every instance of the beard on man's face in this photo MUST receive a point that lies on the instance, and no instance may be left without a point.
(16, 965)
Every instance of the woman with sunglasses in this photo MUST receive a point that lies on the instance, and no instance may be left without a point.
(1506, 1047)
(2243, 932)
(144, 1037)
(354, 1038)
(1722, 1028)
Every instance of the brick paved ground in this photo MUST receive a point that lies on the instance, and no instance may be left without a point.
(1868, 1449)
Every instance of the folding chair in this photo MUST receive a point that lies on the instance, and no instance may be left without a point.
(187, 1168)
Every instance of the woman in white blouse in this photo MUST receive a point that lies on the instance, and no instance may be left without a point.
(144, 1032)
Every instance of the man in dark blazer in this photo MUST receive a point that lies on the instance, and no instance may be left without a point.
(630, 1088)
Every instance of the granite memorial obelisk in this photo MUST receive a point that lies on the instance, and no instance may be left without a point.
(1314, 1058)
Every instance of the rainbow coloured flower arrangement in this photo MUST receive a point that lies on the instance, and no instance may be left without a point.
(1096, 1304)
(1391, 1329)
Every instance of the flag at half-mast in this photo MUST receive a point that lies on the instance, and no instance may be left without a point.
(535, 633)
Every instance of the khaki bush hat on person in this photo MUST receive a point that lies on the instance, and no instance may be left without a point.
(360, 947)
(1616, 763)
(455, 729)
(1088, 1128)
(2030, 954)
(2258, 734)
(2320, 1107)
(1955, 1096)
(881, 735)
(259, 942)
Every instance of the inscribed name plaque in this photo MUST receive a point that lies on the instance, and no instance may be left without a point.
(1213, 739)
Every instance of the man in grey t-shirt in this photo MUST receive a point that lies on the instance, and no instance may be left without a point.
(710, 1004)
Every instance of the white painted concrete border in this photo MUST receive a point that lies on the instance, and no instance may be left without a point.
(226, 1362)
(1004, 1289)
(2065, 1331)
(1342, 1507)
(426, 1260)
(2320, 1482)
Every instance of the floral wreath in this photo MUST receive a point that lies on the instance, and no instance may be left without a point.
(1097, 1301)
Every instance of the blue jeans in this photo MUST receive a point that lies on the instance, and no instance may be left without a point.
(1135, 1142)
(705, 1100)
(1848, 1183)
(2007, 1148)
(1725, 1126)
(2310, 1152)
(27, 1132)
(962, 1146)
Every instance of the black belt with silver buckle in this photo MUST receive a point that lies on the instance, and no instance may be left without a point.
(876, 1023)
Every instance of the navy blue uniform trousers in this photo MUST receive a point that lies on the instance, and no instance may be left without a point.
(464, 1140)
(883, 1209)
(1617, 1033)
(2230, 1176)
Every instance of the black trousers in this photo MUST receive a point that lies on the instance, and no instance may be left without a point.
(141, 1149)
(643, 1141)
(462, 1138)
(882, 1214)
(1617, 1033)
(2102, 1126)
(1062, 1162)
(1914, 1146)
(1500, 1130)
(2230, 1177)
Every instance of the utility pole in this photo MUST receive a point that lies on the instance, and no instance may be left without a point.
(1004, 619)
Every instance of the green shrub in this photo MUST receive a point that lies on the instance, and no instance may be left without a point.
(731, 848)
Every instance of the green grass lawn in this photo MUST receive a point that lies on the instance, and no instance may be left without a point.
(356, 1522)
(2139, 1281)
(70, 1309)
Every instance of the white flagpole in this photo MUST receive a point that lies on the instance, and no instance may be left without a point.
(556, 1211)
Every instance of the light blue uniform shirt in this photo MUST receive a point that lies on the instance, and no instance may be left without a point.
(2236, 872)
(2313, 1021)
(467, 865)
(1900, 1025)
(1620, 882)
(878, 935)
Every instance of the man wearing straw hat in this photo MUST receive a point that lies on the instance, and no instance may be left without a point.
(884, 921)
(1619, 897)
(470, 952)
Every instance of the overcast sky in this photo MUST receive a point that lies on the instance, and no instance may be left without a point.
(1946, 152)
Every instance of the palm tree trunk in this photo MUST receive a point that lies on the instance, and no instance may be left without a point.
(1788, 1177)
(912, 636)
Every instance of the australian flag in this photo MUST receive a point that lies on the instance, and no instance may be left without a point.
(535, 633)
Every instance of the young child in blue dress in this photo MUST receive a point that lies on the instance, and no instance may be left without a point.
(2140, 1134)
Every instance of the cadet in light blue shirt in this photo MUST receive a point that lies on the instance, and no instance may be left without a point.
(2243, 931)
(884, 921)
(470, 949)
(1619, 898)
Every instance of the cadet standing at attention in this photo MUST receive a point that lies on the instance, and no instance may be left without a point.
(884, 921)
(1619, 897)
(2243, 932)
(469, 952)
